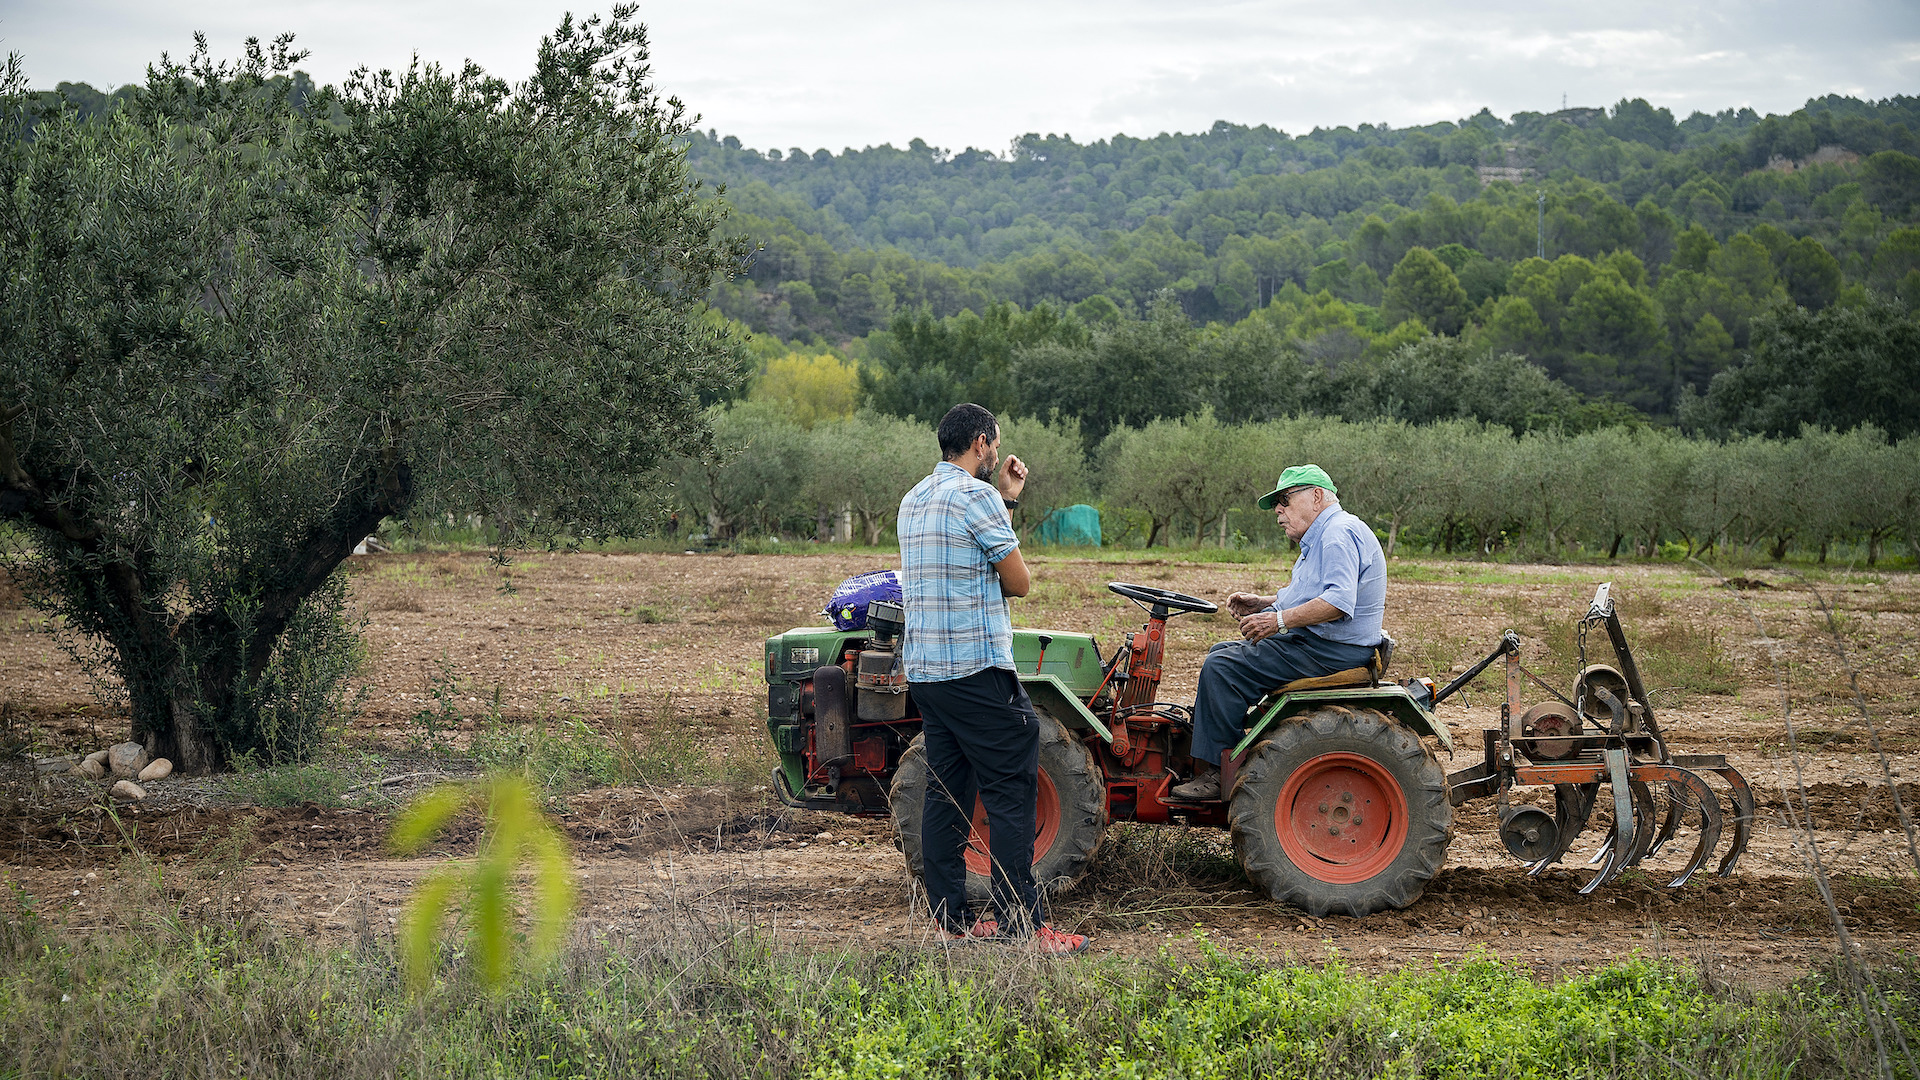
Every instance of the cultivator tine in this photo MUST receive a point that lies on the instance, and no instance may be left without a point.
(1710, 817)
(1645, 811)
(1646, 815)
(1572, 806)
(1671, 825)
(1743, 811)
(1608, 869)
(1744, 806)
(1620, 844)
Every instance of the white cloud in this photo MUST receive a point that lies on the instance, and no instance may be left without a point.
(863, 72)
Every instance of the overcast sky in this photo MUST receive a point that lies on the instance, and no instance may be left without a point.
(854, 73)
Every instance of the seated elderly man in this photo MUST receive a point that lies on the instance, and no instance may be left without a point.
(1327, 619)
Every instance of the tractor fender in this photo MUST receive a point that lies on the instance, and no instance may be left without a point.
(1051, 696)
(1389, 699)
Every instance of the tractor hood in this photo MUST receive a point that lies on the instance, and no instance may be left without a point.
(1070, 657)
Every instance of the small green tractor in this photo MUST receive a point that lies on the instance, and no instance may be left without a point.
(1335, 798)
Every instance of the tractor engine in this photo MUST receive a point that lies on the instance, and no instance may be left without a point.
(880, 679)
(851, 748)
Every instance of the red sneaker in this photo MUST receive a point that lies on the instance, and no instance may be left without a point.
(981, 929)
(1054, 943)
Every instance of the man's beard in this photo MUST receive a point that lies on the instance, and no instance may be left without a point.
(985, 471)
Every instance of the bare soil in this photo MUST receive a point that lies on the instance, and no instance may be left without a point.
(1817, 680)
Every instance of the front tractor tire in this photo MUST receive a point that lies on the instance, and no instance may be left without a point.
(1070, 817)
(1341, 810)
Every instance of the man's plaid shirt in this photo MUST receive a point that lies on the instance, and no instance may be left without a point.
(953, 528)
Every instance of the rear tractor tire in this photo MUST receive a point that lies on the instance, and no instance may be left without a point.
(1069, 823)
(1341, 810)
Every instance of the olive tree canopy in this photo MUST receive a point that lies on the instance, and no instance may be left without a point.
(239, 330)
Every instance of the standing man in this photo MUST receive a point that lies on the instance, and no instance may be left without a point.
(959, 561)
(1327, 619)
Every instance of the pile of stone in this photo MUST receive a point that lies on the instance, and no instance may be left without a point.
(128, 761)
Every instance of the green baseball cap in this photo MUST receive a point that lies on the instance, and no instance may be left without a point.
(1297, 476)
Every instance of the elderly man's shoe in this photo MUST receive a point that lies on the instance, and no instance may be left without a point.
(1202, 788)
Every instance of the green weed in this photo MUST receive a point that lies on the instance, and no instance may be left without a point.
(429, 726)
(558, 755)
(288, 785)
(1680, 659)
(516, 832)
(1435, 653)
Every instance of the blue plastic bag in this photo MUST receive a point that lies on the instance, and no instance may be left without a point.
(848, 608)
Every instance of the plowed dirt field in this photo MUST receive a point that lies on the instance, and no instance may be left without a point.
(669, 647)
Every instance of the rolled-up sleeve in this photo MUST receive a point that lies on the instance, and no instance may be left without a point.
(992, 529)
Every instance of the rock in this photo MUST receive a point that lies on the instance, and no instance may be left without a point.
(57, 763)
(160, 769)
(90, 768)
(127, 789)
(127, 759)
(99, 756)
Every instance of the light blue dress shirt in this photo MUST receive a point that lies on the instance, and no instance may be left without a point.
(1340, 562)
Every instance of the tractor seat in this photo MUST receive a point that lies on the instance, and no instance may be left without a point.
(1369, 675)
(1339, 680)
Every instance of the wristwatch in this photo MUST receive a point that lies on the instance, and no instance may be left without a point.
(1011, 503)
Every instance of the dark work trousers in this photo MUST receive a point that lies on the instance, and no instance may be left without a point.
(983, 740)
(1238, 673)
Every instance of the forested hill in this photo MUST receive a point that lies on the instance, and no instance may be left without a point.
(1261, 274)
(1664, 240)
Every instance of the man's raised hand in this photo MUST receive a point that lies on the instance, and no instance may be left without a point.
(1013, 477)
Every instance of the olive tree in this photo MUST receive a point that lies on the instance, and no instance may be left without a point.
(240, 331)
(1052, 451)
(867, 464)
(753, 474)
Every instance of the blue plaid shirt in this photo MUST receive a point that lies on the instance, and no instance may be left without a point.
(953, 528)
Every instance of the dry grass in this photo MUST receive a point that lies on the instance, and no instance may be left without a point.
(402, 601)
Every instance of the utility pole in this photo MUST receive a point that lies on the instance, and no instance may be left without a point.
(1540, 234)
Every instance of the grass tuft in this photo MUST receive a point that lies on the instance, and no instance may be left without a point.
(288, 785)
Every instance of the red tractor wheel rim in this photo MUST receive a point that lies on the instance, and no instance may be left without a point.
(1046, 828)
(1341, 818)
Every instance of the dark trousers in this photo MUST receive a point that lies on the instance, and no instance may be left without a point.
(1238, 673)
(983, 740)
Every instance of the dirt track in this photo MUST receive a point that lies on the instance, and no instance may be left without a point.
(675, 640)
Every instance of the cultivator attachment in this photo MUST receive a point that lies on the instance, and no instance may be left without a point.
(1604, 736)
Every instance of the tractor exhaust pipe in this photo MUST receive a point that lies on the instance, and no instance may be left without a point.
(832, 716)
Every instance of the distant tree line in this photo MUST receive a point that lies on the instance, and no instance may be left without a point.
(1450, 487)
(1851, 363)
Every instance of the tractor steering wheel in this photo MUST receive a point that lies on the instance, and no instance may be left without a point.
(1163, 600)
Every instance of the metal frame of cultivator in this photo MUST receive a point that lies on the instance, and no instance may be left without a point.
(1605, 734)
